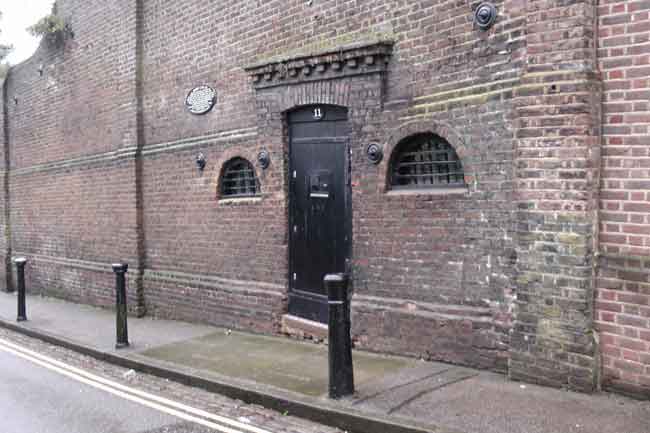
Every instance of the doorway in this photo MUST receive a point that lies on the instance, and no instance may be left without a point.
(320, 216)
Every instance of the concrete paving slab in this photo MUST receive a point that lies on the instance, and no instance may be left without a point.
(489, 403)
(392, 399)
(287, 364)
(403, 378)
(95, 327)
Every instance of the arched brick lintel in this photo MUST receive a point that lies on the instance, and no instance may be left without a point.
(332, 92)
(441, 129)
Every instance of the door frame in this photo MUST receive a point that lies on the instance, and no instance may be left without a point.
(347, 188)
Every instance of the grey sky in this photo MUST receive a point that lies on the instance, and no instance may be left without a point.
(17, 15)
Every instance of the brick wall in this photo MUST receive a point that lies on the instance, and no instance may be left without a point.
(402, 244)
(500, 276)
(226, 263)
(5, 242)
(433, 273)
(623, 303)
(558, 160)
(72, 152)
(191, 233)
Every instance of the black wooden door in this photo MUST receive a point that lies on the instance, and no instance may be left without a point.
(320, 215)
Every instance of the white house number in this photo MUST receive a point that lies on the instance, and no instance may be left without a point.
(318, 113)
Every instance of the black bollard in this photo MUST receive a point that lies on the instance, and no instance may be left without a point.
(341, 375)
(120, 305)
(20, 278)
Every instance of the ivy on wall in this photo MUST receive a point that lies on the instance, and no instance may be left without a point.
(4, 51)
(52, 28)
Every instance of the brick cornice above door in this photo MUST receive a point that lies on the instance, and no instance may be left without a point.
(360, 58)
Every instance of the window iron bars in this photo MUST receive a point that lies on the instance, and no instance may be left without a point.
(239, 179)
(426, 161)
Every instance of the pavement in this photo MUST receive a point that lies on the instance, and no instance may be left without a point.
(394, 394)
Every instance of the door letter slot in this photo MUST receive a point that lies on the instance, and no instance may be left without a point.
(320, 184)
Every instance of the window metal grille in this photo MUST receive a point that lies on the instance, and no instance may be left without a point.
(426, 161)
(239, 179)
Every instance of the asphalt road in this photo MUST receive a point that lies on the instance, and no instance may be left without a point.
(40, 395)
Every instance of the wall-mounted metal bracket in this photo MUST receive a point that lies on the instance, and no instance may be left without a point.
(485, 15)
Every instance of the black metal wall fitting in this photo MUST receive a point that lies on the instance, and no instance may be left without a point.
(264, 159)
(485, 15)
(375, 153)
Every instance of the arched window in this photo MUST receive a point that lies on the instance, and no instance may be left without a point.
(425, 161)
(238, 179)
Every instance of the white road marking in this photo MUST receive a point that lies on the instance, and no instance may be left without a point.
(144, 398)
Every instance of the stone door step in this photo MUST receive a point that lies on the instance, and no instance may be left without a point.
(302, 328)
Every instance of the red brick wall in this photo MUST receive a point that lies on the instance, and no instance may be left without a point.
(94, 180)
(623, 304)
(190, 233)
(558, 150)
(5, 259)
(72, 147)
(420, 253)
(83, 102)
(426, 259)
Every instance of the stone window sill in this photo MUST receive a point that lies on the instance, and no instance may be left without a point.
(443, 192)
(239, 200)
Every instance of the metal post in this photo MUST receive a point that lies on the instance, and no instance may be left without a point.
(20, 277)
(120, 305)
(341, 375)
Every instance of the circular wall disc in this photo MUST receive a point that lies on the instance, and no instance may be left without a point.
(201, 99)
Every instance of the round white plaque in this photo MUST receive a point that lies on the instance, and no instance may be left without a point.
(201, 99)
